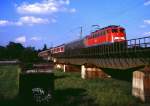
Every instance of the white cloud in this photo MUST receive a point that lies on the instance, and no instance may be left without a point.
(146, 33)
(147, 2)
(35, 38)
(20, 39)
(4, 22)
(39, 8)
(45, 7)
(30, 20)
(65, 2)
(147, 21)
(26, 20)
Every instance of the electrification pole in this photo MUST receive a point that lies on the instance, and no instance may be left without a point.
(81, 32)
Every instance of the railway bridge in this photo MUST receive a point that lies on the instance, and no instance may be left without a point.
(119, 55)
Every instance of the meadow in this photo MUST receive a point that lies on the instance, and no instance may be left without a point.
(71, 90)
(9, 81)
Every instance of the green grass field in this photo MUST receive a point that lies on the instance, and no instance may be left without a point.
(9, 81)
(71, 90)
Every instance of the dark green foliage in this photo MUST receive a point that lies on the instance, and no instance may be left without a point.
(14, 50)
(18, 51)
(2, 52)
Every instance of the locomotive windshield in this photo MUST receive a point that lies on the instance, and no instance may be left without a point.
(122, 30)
(114, 30)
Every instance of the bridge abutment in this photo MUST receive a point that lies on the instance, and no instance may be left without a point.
(91, 72)
(141, 84)
(68, 67)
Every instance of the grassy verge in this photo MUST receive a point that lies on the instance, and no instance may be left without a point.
(72, 90)
(9, 81)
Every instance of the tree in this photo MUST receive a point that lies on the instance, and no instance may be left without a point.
(2, 52)
(14, 50)
(18, 51)
(45, 47)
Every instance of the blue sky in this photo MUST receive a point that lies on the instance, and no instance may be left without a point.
(53, 22)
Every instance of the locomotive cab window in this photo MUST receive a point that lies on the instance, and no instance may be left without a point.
(114, 30)
(107, 31)
(122, 30)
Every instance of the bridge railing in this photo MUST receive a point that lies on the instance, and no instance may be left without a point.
(139, 47)
(140, 42)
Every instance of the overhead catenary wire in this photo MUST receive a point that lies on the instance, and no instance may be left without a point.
(84, 30)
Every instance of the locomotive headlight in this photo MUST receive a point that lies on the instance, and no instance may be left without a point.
(119, 38)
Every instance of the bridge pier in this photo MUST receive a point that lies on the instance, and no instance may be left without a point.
(141, 84)
(91, 72)
(64, 68)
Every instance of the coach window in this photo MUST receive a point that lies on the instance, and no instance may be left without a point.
(93, 35)
(62, 48)
(97, 34)
(57, 49)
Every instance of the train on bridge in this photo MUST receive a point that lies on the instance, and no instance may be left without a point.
(106, 47)
(103, 36)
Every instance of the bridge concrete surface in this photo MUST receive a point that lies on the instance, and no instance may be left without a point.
(120, 55)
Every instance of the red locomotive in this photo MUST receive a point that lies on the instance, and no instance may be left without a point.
(106, 35)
